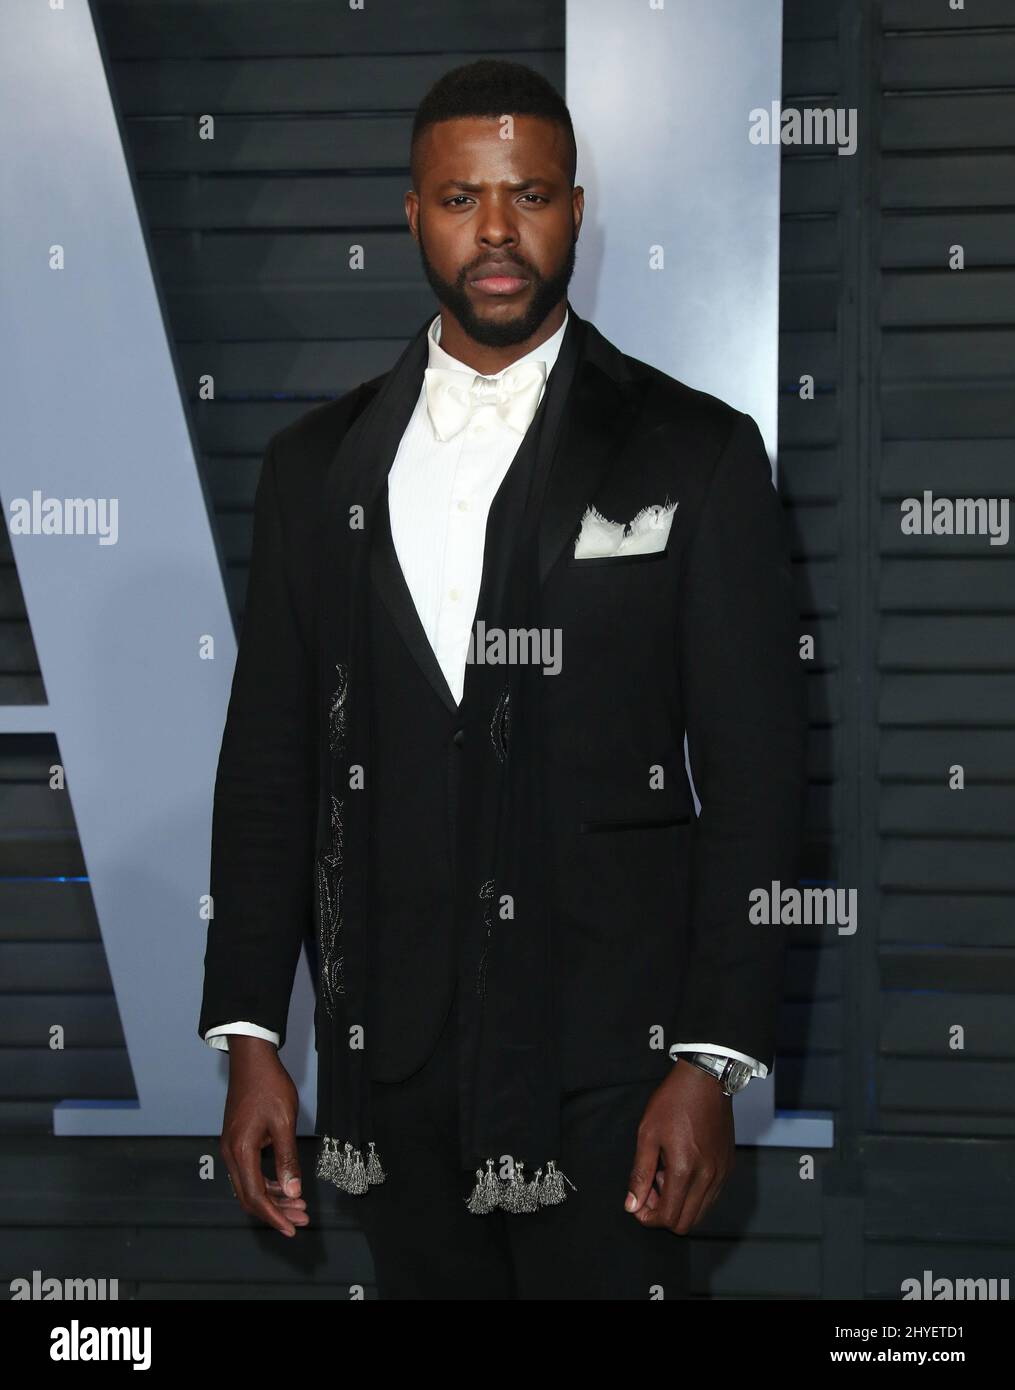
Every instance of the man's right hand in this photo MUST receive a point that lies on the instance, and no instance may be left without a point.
(261, 1108)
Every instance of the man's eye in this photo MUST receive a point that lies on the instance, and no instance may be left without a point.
(464, 197)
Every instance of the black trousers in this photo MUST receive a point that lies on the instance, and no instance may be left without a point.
(427, 1245)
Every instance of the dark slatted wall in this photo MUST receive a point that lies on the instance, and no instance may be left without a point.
(250, 235)
(942, 625)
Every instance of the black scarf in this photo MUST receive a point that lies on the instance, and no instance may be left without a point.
(509, 1087)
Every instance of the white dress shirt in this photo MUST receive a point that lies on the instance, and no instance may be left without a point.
(439, 496)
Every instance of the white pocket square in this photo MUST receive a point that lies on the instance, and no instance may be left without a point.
(645, 534)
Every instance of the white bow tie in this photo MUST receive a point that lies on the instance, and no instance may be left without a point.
(452, 397)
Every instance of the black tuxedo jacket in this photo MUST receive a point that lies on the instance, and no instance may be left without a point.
(651, 903)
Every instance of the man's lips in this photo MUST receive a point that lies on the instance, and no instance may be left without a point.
(498, 282)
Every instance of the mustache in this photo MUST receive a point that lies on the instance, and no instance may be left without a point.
(499, 264)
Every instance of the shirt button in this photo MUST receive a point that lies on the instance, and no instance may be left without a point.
(454, 594)
(463, 506)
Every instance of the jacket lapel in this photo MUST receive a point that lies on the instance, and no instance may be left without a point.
(593, 419)
(356, 482)
(387, 576)
(359, 477)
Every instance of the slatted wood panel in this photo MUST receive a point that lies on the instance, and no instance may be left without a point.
(946, 604)
(166, 1233)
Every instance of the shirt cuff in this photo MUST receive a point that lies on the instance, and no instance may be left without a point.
(216, 1037)
(757, 1068)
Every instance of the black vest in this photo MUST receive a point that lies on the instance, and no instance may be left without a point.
(416, 742)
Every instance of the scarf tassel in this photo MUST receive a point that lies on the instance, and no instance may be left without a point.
(346, 1169)
(514, 1194)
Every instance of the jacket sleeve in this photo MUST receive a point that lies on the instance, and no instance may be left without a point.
(744, 695)
(265, 803)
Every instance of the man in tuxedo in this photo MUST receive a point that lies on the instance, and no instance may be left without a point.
(490, 593)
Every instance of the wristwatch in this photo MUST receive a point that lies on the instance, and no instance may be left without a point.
(731, 1074)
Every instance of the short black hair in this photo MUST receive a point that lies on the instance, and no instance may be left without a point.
(491, 87)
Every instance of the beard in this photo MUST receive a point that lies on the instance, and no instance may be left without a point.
(505, 332)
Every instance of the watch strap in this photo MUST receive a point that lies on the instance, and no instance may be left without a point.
(717, 1065)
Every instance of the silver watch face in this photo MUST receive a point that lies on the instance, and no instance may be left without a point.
(738, 1076)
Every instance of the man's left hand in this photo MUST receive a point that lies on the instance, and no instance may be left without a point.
(686, 1150)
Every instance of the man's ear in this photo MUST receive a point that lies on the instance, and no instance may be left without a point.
(578, 203)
